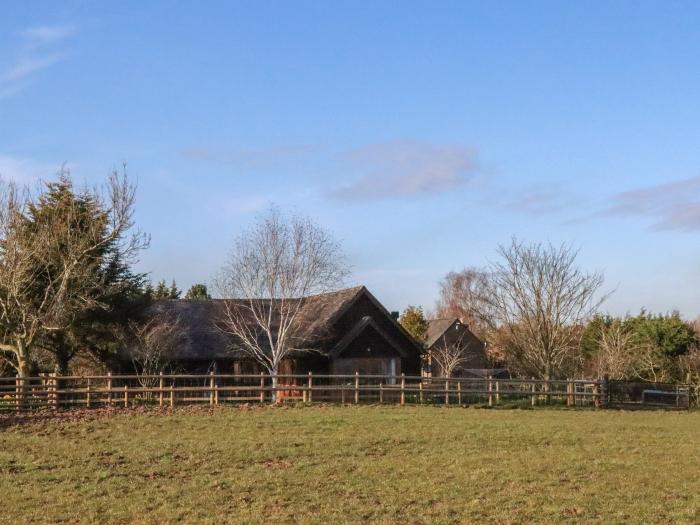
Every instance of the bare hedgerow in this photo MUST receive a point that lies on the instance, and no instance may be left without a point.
(154, 345)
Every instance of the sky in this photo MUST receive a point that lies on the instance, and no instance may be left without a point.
(421, 134)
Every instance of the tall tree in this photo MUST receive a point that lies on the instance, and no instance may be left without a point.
(198, 292)
(57, 251)
(539, 300)
(273, 267)
(413, 320)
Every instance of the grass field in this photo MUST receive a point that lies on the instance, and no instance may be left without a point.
(330, 465)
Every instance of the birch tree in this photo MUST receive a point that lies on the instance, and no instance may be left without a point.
(274, 267)
(460, 296)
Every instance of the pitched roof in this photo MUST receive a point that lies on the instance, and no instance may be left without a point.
(203, 340)
(436, 329)
(362, 325)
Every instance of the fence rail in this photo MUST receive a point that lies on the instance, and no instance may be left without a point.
(52, 391)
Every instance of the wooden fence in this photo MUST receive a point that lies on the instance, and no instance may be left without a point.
(52, 391)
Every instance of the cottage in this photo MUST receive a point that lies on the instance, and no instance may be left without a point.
(453, 338)
(345, 332)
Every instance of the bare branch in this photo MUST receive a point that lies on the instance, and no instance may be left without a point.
(273, 268)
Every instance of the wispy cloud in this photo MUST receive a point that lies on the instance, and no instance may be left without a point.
(24, 171)
(405, 169)
(670, 206)
(46, 34)
(37, 51)
(537, 200)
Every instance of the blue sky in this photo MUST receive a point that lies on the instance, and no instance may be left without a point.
(422, 134)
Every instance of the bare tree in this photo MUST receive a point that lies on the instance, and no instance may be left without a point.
(274, 266)
(49, 256)
(651, 364)
(155, 342)
(539, 299)
(616, 350)
(460, 296)
(450, 356)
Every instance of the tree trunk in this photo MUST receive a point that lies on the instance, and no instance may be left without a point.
(22, 359)
(62, 361)
(22, 371)
(547, 378)
(273, 376)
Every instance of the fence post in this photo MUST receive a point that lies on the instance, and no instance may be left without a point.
(447, 392)
(459, 392)
(533, 397)
(56, 391)
(381, 393)
(420, 390)
(357, 387)
(211, 387)
(262, 387)
(172, 393)
(109, 388)
(498, 391)
(17, 392)
(605, 402)
(403, 389)
(490, 392)
(87, 394)
(569, 392)
(310, 387)
(160, 390)
(126, 396)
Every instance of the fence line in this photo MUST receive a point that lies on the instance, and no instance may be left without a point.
(53, 391)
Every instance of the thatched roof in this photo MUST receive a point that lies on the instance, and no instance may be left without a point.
(204, 341)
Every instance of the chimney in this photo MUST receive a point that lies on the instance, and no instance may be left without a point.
(395, 316)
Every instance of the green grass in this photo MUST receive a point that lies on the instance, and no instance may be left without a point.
(333, 465)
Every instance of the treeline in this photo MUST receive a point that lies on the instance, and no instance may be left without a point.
(539, 314)
(69, 297)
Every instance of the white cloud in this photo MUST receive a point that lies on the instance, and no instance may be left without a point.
(37, 52)
(24, 171)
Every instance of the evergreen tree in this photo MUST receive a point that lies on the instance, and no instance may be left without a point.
(174, 293)
(161, 291)
(413, 320)
(78, 256)
(198, 292)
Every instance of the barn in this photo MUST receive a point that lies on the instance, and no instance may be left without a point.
(343, 332)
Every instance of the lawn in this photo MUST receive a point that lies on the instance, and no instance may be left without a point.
(332, 465)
